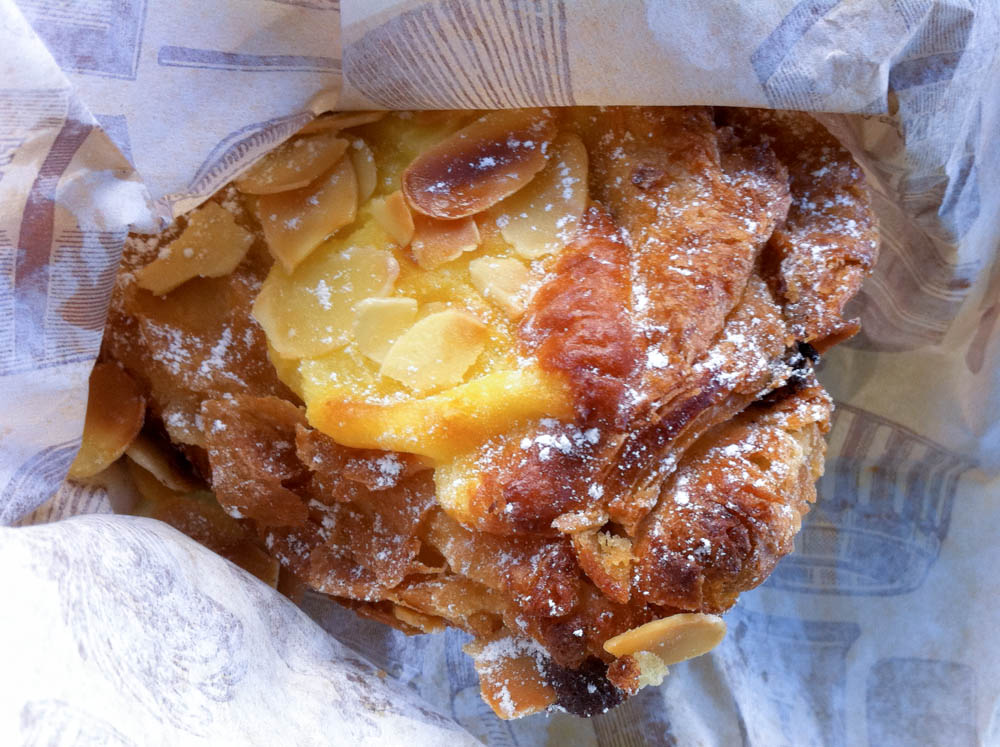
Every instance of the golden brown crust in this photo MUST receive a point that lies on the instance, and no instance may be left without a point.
(829, 243)
(580, 324)
(629, 309)
(674, 315)
(734, 504)
(197, 343)
(269, 468)
(694, 232)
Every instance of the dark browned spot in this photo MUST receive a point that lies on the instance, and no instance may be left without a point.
(585, 691)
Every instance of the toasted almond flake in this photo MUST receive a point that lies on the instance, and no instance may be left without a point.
(511, 677)
(296, 222)
(393, 215)
(149, 489)
(480, 164)
(294, 164)
(340, 121)
(418, 620)
(159, 462)
(505, 281)
(380, 322)
(115, 413)
(311, 311)
(436, 352)
(436, 242)
(673, 639)
(364, 168)
(542, 218)
(211, 246)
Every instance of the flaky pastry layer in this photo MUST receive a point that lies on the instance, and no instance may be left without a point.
(542, 375)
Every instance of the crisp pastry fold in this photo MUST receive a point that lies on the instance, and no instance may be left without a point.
(545, 376)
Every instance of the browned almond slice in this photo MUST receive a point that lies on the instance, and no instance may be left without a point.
(394, 216)
(542, 218)
(673, 639)
(296, 222)
(512, 683)
(503, 280)
(480, 164)
(380, 322)
(151, 491)
(210, 246)
(116, 409)
(294, 164)
(436, 242)
(436, 352)
(364, 168)
(311, 311)
(340, 121)
(419, 620)
(159, 462)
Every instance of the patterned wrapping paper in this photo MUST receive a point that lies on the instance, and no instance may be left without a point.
(876, 631)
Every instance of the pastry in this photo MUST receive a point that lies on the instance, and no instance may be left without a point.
(542, 375)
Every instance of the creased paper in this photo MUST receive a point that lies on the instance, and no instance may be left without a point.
(876, 631)
(219, 658)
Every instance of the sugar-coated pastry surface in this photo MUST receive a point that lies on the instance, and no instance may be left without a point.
(542, 375)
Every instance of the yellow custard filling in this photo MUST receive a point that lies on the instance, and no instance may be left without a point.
(399, 330)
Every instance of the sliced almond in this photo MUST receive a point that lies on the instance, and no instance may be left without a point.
(311, 311)
(151, 491)
(296, 222)
(503, 280)
(116, 409)
(512, 683)
(294, 164)
(393, 215)
(425, 623)
(542, 218)
(436, 242)
(340, 121)
(469, 603)
(380, 322)
(480, 164)
(211, 246)
(673, 639)
(364, 168)
(159, 462)
(436, 352)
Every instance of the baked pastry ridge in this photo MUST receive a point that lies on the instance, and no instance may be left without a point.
(542, 375)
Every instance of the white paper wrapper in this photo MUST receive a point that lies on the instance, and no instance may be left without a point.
(231, 661)
(877, 630)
